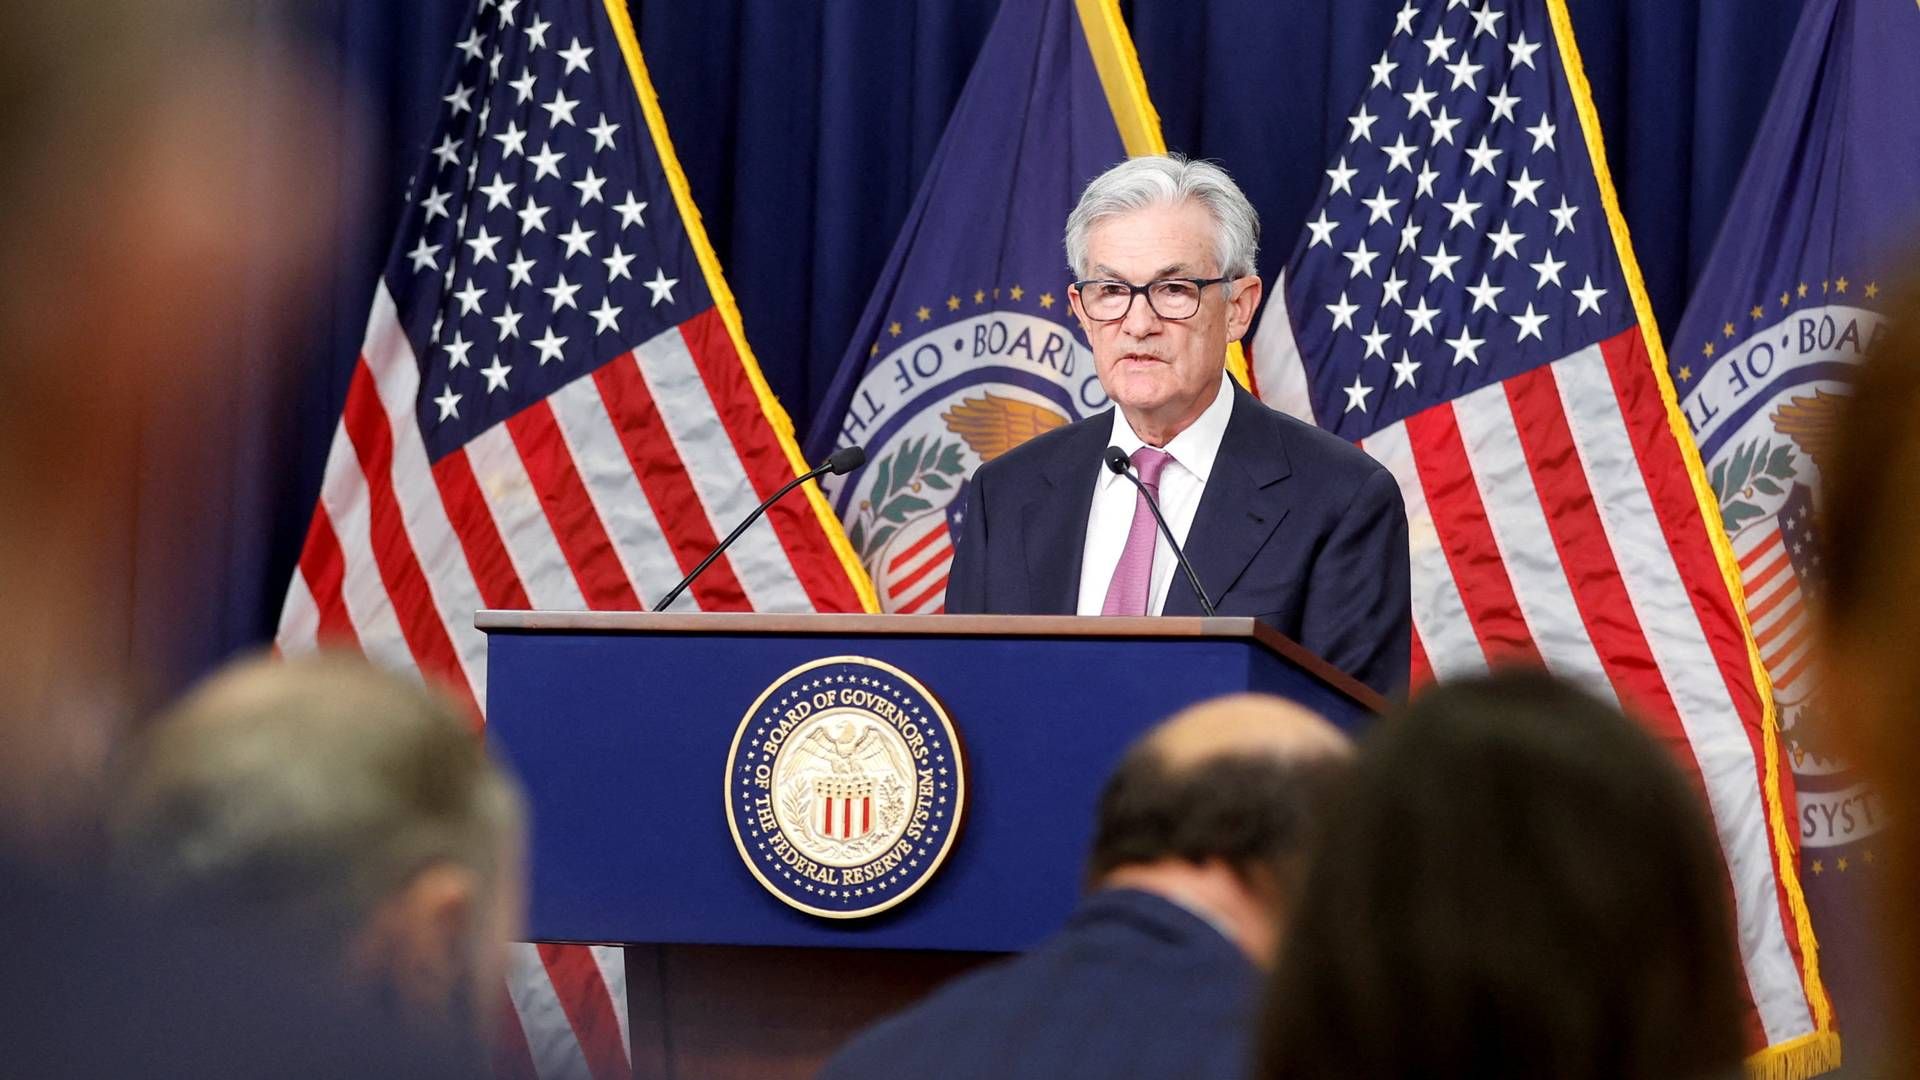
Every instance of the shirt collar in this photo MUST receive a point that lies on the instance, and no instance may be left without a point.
(1195, 448)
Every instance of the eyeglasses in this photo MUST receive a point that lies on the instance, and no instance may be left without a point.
(1168, 298)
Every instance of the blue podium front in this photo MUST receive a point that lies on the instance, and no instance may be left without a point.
(622, 727)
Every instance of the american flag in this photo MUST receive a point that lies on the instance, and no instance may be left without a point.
(553, 408)
(1464, 304)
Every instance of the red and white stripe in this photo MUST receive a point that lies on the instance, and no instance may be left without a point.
(1775, 606)
(1552, 520)
(600, 496)
(915, 577)
(1439, 613)
(1273, 358)
(839, 813)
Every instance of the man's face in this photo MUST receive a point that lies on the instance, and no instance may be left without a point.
(1163, 372)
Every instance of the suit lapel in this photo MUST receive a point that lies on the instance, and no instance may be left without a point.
(1245, 499)
(1055, 523)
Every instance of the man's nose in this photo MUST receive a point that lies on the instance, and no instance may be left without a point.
(1140, 320)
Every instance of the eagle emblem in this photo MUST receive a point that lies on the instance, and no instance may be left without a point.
(993, 425)
(1811, 423)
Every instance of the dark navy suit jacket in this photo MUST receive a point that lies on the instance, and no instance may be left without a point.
(1296, 527)
(1134, 986)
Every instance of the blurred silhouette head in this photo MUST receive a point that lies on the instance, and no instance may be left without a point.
(156, 169)
(1870, 531)
(329, 804)
(1516, 882)
(1214, 809)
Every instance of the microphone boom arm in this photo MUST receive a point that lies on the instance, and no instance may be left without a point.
(841, 461)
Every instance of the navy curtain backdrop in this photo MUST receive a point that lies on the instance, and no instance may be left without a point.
(804, 129)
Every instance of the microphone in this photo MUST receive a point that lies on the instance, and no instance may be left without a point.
(1116, 460)
(839, 463)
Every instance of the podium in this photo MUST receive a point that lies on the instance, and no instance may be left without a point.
(621, 726)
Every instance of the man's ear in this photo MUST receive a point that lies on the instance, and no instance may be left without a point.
(1241, 306)
(418, 940)
(1079, 316)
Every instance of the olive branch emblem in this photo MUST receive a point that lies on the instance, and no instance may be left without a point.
(918, 465)
(1758, 467)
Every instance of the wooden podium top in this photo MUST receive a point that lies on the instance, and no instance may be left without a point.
(1144, 626)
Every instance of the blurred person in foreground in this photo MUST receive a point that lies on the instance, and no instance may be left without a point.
(1516, 882)
(312, 869)
(1198, 853)
(155, 169)
(350, 817)
(1869, 619)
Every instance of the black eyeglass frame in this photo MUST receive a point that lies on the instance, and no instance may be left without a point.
(1137, 291)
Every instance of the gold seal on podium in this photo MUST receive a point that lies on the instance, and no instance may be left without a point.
(845, 787)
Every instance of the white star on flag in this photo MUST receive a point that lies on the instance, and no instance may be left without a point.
(630, 212)
(576, 57)
(560, 109)
(1466, 347)
(1404, 369)
(512, 141)
(561, 291)
(1357, 395)
(661, 286)
(1343, 313)
(602, 133)
(576, 240)
(552, 346)
(606, 317)
(1421, 316)
(423, 255)
(1322, 230)
(1529, 324)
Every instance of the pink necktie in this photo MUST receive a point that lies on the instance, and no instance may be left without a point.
(1133, 578)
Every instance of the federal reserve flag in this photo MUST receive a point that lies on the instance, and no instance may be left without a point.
(967, 347)
(1466, 306)
(1829, 202)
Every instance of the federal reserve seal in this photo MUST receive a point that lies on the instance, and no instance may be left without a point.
(845, 787)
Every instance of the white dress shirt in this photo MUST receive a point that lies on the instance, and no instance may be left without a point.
(1181, 483)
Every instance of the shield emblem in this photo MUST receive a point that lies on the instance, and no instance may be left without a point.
(913, 567)
(1776, 555)
(846, 806)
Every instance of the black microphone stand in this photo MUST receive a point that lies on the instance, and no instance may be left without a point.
(840, 462)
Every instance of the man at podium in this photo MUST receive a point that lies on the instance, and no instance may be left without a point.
(1278, 519)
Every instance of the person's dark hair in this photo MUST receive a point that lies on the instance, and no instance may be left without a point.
(1252, 810)
(1515, 882)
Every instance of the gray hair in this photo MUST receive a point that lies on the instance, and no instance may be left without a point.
(302, 794)
(1168, 180)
